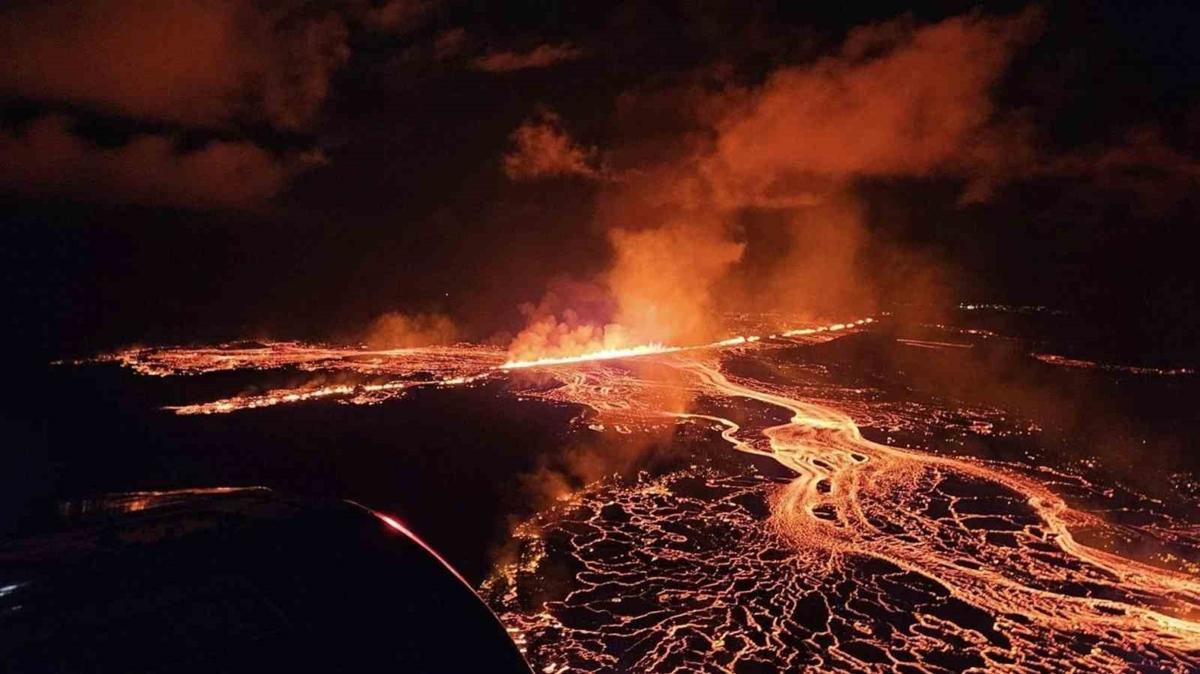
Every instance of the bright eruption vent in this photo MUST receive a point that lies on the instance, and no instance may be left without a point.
(655, 349)
(603, 354)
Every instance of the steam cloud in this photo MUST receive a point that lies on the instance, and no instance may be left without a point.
(194, 64)
(48, 158)
(543, 149)
(396, 330)
(542, 56)
(896, 101)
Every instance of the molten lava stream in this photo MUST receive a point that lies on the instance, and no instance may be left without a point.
(970, 556)
(823, 444)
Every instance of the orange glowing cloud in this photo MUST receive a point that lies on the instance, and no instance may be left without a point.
(396, 16)
(896, 100)
(196, 65)
(48, 159)
(1153, 176)
(663, 279)
(542, 56)
(396, 330)
(571, 318)
(542, 148)
(195, 62)
(449, 43)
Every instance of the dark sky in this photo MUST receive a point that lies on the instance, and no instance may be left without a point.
(211, 169)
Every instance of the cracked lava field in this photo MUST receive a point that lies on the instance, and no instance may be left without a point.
(804, 519)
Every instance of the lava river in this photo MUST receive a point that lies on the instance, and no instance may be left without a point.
(864, 557)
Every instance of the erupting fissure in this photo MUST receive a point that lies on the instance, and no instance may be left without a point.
(403, 368)
(653, 349)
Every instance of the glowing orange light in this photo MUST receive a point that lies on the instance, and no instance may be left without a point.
(604, 354)
(397, 526)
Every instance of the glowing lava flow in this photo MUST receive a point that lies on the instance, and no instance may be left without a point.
(869, 558)
(402, 369)
(659, 349)
(838, 467)
(358, 394)
(605, 354)
(1063, 361)
(270, 355)
(363, 377)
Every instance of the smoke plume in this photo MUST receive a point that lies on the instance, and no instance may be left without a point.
(212, 67)
(47, 158)
(542, 56)
(397, 330)
(686, 215)
(543, 149)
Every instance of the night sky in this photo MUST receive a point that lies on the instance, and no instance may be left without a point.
(216, 169)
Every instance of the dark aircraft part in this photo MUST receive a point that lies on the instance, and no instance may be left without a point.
(229, 580)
